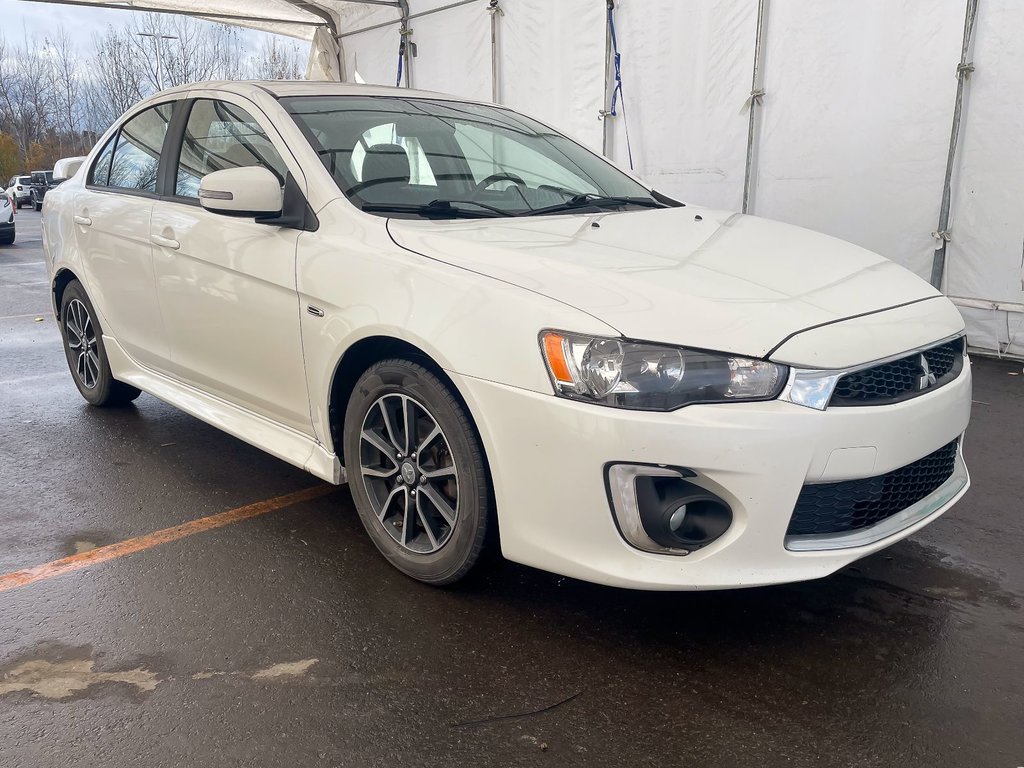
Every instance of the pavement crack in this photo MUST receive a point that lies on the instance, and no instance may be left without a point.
(518, 715)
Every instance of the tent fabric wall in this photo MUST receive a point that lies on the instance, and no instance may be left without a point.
(463, 34)
(686, 71)
(552, 60)
(856, 120)
(854, 124)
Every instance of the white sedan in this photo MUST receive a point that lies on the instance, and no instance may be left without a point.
(495, 336)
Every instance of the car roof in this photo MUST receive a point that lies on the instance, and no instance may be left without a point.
(284, 88)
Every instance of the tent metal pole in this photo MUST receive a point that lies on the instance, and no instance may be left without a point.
(409, 47)
(603, 114)
(963, 71)
(494, 9)
(754, 101)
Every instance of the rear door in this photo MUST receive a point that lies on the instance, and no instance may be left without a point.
(227, 284)
(112, 222)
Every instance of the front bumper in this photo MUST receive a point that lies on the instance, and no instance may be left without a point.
(548, 457)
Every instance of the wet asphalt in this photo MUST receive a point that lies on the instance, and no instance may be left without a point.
(285, 640)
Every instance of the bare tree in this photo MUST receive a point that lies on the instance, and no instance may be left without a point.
(65, 84)
(192, 50)
(55, 98)
(279, 61)
(117, 79)
(26, 99)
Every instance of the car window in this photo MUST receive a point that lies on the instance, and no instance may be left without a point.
(217, 136)
(100, 173)
(136, 160)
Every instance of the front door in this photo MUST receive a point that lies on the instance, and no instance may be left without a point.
(227, 284)
(111, 221)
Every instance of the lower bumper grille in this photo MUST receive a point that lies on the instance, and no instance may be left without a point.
(829, 508)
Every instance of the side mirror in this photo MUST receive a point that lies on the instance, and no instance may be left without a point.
(252, 191)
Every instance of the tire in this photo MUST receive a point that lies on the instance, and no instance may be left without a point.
(90, 370)
(401, 494)
(37, 205)
(8, 240)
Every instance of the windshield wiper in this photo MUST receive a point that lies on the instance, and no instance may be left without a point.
(439, 209)
(596, 201)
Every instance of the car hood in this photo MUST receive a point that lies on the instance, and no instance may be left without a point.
(689, 276)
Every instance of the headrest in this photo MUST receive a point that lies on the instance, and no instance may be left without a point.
(386, 162)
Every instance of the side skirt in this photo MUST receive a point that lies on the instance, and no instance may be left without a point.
(283, 442)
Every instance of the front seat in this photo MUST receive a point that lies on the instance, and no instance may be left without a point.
(386, 172)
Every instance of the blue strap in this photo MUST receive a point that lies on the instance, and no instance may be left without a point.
(617, 58)
(401, 58)
(617, 90)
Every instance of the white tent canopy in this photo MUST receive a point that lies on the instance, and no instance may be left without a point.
(824, 113)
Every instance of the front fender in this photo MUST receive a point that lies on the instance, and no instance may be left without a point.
(468, 323)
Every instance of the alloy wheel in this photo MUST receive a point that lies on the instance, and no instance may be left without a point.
(409, 473)
(81, 340)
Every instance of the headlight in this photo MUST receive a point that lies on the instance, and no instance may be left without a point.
(652, 377)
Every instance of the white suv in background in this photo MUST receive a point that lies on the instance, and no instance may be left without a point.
(18, 187)
(494, 334)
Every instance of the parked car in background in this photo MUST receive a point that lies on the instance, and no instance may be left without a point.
(19, 189)
(42, 182)
(7, 231)
(492, 332)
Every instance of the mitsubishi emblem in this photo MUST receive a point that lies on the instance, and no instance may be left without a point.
(927, 379)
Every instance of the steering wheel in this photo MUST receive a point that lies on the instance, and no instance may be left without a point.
(496, 177)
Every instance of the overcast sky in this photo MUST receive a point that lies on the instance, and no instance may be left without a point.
(40, 18)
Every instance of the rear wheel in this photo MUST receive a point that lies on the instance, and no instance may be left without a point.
(7, 239)
(87, 357)
(416, 472)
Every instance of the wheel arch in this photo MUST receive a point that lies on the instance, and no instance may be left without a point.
(61, 281)
(362, 354)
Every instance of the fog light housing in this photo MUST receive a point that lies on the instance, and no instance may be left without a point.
(657, 509)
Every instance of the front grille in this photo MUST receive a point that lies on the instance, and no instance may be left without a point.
(850, 505)
(901, 379)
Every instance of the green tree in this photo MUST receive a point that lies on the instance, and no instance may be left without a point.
(10, 158)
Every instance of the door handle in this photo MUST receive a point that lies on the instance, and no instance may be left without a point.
(165, 242)
(85, 221)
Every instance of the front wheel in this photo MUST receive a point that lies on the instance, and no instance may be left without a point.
(87, 357)
(417, 472)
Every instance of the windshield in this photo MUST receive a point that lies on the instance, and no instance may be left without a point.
(425, 158)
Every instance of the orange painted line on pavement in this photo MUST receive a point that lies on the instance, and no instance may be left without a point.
(54, 568)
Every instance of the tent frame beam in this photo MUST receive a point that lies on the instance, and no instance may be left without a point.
(309, 6)
(225, 17)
